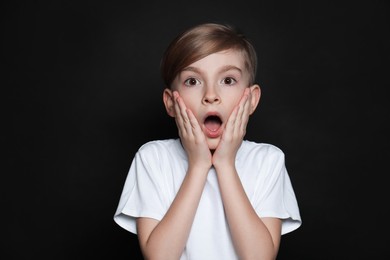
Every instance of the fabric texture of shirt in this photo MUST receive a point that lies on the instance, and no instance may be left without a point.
(158, 169)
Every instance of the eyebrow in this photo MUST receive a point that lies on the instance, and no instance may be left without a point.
(223, 69)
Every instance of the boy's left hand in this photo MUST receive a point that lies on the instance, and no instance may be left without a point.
(234, 132)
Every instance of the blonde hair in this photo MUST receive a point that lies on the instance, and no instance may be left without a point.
(201, 41)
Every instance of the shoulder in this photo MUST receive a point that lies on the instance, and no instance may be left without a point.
(158, 148)
(259, 155)
(260, 149)
(158, 144)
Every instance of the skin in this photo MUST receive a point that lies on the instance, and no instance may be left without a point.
(216, 84)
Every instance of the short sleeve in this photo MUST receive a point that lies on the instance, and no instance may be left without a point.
(142, 195)
(277, 197)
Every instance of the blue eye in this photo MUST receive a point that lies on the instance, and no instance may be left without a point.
(229, 81)
(191, 82)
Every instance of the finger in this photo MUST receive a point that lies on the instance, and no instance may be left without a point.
(240, 122)
(230, 125)
(184, 114)
(188, 124)
(180, 121)
(177, 107)
(246, 113)
(195, 127)
(238, 110)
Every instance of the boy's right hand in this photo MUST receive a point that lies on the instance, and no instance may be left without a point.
(191, 135)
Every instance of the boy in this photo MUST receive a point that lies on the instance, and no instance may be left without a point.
(209, 194)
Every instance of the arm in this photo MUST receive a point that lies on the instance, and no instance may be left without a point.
(166, 239)
(253, 237)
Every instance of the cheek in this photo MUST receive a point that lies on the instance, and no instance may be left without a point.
(189, 97)
(189, 101)
(235, 99)
(193, 104)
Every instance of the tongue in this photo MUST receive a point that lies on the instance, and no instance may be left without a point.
(212, 125)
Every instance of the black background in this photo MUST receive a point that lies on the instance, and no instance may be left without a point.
(81, 91)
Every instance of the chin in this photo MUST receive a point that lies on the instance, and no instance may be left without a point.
(213, 143)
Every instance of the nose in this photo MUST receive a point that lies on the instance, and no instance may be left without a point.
(211, 96)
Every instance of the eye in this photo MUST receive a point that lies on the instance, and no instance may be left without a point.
(191, 82)
(229, 81)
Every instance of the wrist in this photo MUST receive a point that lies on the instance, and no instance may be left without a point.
(199, 167)
(223, 166)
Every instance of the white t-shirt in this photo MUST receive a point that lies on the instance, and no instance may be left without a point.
(157, 172)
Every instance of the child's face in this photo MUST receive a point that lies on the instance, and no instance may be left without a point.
(211, 88)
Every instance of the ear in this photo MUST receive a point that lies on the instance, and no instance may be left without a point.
(255, 94)
(168, 102)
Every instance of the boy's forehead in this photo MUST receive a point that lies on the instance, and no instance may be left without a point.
(226, 59)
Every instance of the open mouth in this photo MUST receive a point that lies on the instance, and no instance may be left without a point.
(213, 123)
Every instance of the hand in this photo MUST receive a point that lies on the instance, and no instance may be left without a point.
(234, 133)
(191, 135)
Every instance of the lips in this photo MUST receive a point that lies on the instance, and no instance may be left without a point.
(212, 125)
